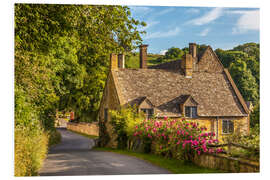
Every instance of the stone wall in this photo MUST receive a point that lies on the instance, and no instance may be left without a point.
(85, 128)
(109, 101)
(226, 163)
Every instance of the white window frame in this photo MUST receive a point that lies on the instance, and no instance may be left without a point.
(191, 111)
(147, 112)
(228, 126)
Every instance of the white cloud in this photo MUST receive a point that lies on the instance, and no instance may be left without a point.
(163, 52)
(249, 20)
(204, 32)
(160, 34)
(165, 11)
(207, 18)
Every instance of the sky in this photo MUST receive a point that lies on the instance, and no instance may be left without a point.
(172, 26)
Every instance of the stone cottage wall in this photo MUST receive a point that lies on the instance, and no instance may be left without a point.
(110, 101)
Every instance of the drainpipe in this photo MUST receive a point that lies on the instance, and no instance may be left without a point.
(217, 128)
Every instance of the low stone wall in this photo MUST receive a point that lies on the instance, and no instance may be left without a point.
(86, 128)
(226, 163)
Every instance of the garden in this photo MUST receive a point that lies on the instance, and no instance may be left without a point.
(180, 139)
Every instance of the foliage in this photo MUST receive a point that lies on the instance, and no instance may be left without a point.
(185, 138)
(54, 137)
(123, 122)
(30, 150)
(245, 81)
(174, 53)
(252, 141)
(66, 46)
(255, 116)
(61, 62)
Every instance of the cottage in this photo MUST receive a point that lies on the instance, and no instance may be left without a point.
(196, 87)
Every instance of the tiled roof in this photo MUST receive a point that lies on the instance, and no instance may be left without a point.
(166, 88)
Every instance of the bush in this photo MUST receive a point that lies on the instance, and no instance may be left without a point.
(177, 138)
(123, 122)
(54, 137)
(252, 140)
(30, 150)
(31, 140)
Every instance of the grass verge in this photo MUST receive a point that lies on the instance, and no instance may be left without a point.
(54, 137)
(173, 165)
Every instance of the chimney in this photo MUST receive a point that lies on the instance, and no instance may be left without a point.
(186, 65)
(114, 61)
(193, 50)
(121, 61)
(143, 56)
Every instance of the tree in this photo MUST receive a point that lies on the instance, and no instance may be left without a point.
(174, 53)
(244, 80)
(71, 44)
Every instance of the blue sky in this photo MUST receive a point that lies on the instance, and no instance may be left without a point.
(222, 28)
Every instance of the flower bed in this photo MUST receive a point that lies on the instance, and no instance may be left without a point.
(177, 138)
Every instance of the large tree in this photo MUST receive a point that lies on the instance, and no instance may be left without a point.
(62, 53)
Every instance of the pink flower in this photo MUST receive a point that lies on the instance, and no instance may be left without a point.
(199, 152)
(165, 118)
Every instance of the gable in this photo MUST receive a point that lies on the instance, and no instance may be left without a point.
(145, 104)
(209, 62)
(190, 102)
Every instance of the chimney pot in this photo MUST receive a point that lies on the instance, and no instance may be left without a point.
(143, 56)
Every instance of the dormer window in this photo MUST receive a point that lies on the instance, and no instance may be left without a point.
(149, 112)
(191, 111)
(146, 107)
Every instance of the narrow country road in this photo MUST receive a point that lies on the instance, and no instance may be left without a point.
(73, 156)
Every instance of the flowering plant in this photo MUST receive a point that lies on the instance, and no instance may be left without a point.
(185, 138)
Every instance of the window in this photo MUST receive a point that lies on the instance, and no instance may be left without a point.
(227, 126)
(105, 114)
(191, 111)
(148, 112)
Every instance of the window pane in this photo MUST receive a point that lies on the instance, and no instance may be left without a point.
(148, 112)
(187, 111)
(225, 126)
(194, 112)
(231, 128)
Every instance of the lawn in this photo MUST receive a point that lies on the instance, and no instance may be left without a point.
(173, 165)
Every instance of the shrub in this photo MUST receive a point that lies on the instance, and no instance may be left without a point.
(177, 138)
(123, 122)
(30, 150)
(252, 140)
(54, 137)
(31, 140)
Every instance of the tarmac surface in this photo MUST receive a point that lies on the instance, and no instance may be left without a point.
(74, 156)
